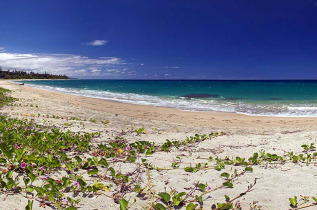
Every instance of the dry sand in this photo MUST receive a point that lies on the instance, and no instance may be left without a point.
(244, 136)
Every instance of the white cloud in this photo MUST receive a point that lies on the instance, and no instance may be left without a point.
(97, 42)
(116, 71)
(170, 67)
(2, 49)
(69, 64)
(95, 70)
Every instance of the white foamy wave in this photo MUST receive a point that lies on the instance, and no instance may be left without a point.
(305, 108)
(289, 110)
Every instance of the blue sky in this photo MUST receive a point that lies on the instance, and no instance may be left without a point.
(165, 39)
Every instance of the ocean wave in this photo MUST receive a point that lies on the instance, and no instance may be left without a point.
(183, 103)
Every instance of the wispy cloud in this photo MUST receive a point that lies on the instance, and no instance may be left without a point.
(97, 42)
(170, 67)
(69, 64)
(2, 49)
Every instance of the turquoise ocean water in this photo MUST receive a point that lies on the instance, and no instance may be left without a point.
(270, 98)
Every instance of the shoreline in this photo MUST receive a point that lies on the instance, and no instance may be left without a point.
(220, 107)
(174, 115)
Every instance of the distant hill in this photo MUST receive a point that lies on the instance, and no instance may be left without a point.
(28, 75)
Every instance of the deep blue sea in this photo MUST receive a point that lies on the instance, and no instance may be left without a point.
(270, 98)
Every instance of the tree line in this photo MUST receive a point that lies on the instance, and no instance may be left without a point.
(28, 75)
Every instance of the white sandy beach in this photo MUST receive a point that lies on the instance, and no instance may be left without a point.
(244, 136)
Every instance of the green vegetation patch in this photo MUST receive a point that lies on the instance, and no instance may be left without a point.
(5, 98)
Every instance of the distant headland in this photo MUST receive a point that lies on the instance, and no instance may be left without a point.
(28, 75)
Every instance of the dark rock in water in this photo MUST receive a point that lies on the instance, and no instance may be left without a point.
(201, 95)
(232, 99)
(275, 99)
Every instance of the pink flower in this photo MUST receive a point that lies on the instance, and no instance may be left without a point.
(65, 201)
(76, 183)
(238, 204)
(16, 146)
(208, 188)
(42, 168)
(116, 160)
(127, 148)
(44, 178)
(23, 165)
